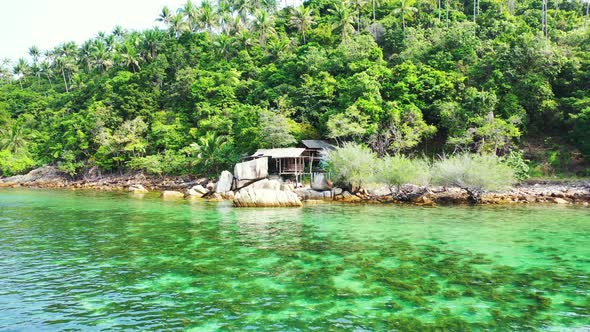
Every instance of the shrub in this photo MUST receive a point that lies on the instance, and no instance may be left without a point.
(519, 165)
(397, 170)
(474, 173)
(352, 164)
(12, 165)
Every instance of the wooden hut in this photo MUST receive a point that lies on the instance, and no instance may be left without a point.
(294, 161)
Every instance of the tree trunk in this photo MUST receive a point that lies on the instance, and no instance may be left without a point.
(403, 20)
(374, 11)
(447, 8)
(63, 74)
(587, 11)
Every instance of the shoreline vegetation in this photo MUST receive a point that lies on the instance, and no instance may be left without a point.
(219, 80)
(527, 192)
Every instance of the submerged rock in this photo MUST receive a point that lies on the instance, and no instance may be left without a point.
(137, 189)
(171, 194)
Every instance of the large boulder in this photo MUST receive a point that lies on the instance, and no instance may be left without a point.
(225, 182)
(250, 171)
(320, 182)
(266, 193)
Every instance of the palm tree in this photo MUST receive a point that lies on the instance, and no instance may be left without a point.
(86, 54)
(264, 25)
(35, 54)
(342, 20)
(243, 8)
(101, 57)
(190, 13)
(178, 26)
(46, 69)
(234, 25)
(374, 4)
(405, 9)
(165, 16)
(119, 32)
(277, 47)
(206, 151)
(223, 45)
(243, 39)
(13, 139)
(207, 16)
(21, 69)
(151, 44)
(5, 72)
(302, 20)
(358, 5)
(130, 56)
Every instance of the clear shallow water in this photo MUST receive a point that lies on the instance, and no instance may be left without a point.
(101, 261)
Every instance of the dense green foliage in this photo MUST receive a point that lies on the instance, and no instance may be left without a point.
(228, 77)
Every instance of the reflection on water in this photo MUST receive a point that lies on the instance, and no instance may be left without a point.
(85, 260)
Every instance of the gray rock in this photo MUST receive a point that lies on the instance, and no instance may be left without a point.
(225, 182)
(251, 170)
(320, 182)
(200, 189)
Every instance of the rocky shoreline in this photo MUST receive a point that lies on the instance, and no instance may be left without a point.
(571, 192)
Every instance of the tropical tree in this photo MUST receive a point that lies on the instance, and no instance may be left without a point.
(35, 53)
(101, 57)
(264, 24)
(208, 16)
(165, 16)
(21, 69)
(358, 6)
(190, 15)
(342, 20)
(405, 9)
(302, 19)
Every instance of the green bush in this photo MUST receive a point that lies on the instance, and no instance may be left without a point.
(166, 163)
(397, 170)
(473, 172)
(352, 164)
(519, 165)
(12, 165)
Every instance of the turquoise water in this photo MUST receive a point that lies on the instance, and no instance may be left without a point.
(102, 261)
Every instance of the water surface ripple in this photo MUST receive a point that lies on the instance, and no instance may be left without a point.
(103, 261)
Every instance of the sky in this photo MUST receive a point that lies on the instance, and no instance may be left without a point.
(47, 23)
